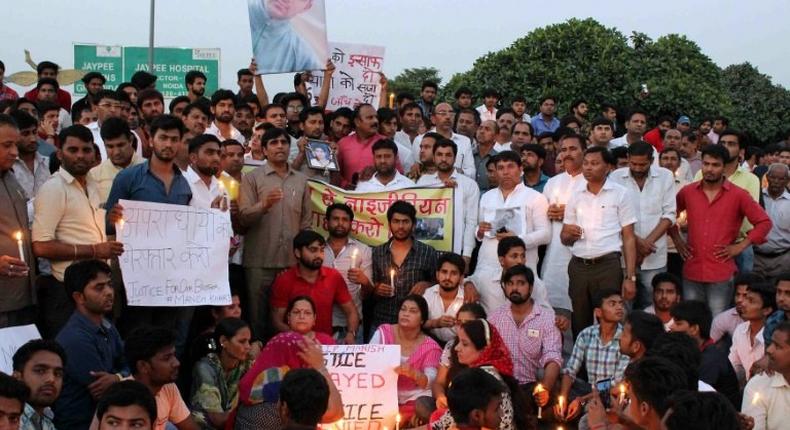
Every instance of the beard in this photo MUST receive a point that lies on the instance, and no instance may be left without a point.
(199, 92)
(338, 232)
(225, 117)
(313, 264)
(208, 170)
(517, 298)
(448, 287)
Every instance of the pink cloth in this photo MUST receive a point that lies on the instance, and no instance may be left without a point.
(355, 154)
(425, 356)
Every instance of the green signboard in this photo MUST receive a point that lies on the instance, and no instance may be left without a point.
(107, 60)
(170, 66)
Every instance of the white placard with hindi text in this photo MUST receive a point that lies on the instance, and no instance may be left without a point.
(11, 338)
(356, 79)
(174, 255)
(365, 376)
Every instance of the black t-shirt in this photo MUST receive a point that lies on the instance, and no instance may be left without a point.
(717, 371)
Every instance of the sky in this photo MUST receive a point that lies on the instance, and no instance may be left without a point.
(447, 34)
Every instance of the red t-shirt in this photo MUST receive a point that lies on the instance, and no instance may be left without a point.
(64, 98)
(329, 289)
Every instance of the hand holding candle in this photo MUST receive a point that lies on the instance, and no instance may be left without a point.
(354, 258)
(397, 422)
(18, 237)
(392, 281)
(233, 189)
(621, 397)
(536, 393)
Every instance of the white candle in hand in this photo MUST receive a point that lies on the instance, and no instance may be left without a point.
(354, 258)
(18, 237)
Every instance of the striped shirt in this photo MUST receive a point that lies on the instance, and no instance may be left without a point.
(419, 265)
(602, 361)
(533, 344)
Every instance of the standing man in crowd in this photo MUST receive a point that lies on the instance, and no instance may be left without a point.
(223, 109)
(117, 139)
(428, 92)
(545, 121)
(484, 152)
(635, 127)
(354, 153)
(195, 82)
(599, 227)
(442, 118)
(773, 257)
(386, 176)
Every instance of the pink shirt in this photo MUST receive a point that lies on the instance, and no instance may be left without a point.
(533, 344)
(354, 155)
(725, 323)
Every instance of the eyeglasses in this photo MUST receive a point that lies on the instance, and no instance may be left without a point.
(295, 108)
(111, 105)
(445, 112)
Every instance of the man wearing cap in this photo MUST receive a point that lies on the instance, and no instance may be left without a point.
(94, 82)
(683, 123)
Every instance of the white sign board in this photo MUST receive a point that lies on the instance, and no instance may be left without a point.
(365, 376)
(356, 79)
(174, 255)
(11, 338)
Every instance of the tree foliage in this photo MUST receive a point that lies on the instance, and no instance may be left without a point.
(584, 59)
(410, 80)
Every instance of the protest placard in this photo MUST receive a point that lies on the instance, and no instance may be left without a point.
(356, 79)
(434, 206)
(174, 255)
(11, 338)
(288, 36)
(366, 379)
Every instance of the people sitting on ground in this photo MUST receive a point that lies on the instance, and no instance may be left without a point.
(39, 365)
(476, 400)
(127, 405)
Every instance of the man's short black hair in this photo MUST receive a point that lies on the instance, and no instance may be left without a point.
(274, 133)
(305, 238)
(694, 312)
(407, 107)
(641, 148)
(243, 72)
(461, 91)
(78, 131)
(47, 65)
(475, 114)
(127, 393)
(637, 111)
(538, 150)
(767, 294)
(599, 120)
(310, 111)
(385, 114)
(451, 258)
(44, 106)
(105, 94)
(8, 121)
(504, 111)
(716, 151)
(645, 327)
(681, 349)
(667, 277)
(742, 144)
(547, 97)
(723, 120)
(490, 92)
(197, 142)
(518, 270)
(701, 411)
(294, 96)
(80, 273)
(576, 103)
(560, 137)
(114, 128)
(12, 388)
(48, 81)
(429, 84)
(176, 101)
(167, 122)
(26, 352)
(23, 119)
(147, 94)
(606, 106)
(385, 144)
(306, 394)
(506, 244)
(340, 207)
(653, 380)
(472, 389)
(519, 99)
(192, 75)
(199, 105)
(221, 95)
(445, 143)
(401, 96)
(601, 294)
(403, 208)
(607, 155)
(508, 156)
(144, 342)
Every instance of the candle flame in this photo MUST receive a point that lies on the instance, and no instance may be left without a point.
(18, 235)
(354, 253)
(397, 418)
(622, 388)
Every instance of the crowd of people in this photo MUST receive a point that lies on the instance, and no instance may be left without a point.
(610, 269)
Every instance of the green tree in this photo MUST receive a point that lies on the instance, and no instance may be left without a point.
(410, 80)
(759, 106)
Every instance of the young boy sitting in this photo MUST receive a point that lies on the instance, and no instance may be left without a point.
(474, 398)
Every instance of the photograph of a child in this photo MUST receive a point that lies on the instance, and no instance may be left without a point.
(320, 155)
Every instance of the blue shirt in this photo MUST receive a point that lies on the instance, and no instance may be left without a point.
(89, 348)
(539, 126)
(771, 323)
(540, 184)
(139, 183)
(277, 46)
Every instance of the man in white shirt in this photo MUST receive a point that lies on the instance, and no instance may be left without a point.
(442, 118)
(446, 297)
(410, 121)
(558, 191)
(666, 294)
(635, 127)
(511, 209)
(353, 260)
(773, 257)
(488, 109)
(117, 139)
(204, 163)
(505, 118)
(748, 345)
(598, 226)
(387, 177)
(672, 139)
(108, 104)
(466, 196)
(652, 190)
(520, 135)
(601, 132)
(766, 398)
(223, 107)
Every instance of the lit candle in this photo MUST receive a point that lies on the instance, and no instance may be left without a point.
(756, 398)
(221, 186)
(392, 100)
(677, 173)
(561, 402)
(397, 422)
(18, 237)
(119, 228)
(538, 390)
(392, 278)
(339, 424)
(233, 189)
(622, 394)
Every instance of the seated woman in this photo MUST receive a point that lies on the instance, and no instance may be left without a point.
(467, 312)
(419, 358)
(480, 345)
(298, 348)
(215, 380)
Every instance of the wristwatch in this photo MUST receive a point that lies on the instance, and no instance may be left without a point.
(632, 278)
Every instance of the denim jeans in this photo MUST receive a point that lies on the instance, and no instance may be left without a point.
(718, 295)
(745, 260)
(644, 293)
